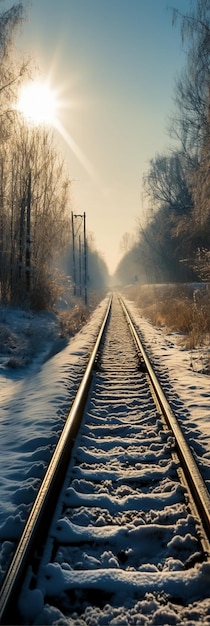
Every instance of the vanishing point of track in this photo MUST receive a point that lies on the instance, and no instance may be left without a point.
(108, 386)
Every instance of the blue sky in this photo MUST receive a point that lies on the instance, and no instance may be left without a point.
(115, 62)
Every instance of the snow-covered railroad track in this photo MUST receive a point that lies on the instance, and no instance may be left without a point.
(124, 521)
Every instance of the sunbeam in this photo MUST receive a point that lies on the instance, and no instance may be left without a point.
(84, 161)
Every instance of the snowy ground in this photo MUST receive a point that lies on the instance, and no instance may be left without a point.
(187, 390)
(36, 389)
(34, 401)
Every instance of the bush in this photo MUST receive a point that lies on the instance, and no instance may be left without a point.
(183, 309)
(73, 319)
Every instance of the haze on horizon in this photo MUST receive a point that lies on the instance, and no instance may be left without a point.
(114, 63)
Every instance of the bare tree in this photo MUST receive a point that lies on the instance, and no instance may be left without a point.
(34, 188)
(34, 223)
(9, 21)
(11, 71)
(192, 87)
(127, 242)
(166, 182)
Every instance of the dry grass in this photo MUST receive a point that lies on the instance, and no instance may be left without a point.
(184, 309)
(73, 318)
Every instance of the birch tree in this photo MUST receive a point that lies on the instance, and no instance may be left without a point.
(37, 184)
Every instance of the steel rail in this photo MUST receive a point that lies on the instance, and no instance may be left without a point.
(192, 473)
(45, 499)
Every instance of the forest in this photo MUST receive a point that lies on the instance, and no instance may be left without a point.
(36, 264)
(173, 243)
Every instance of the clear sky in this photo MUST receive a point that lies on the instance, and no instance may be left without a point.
(115, 62)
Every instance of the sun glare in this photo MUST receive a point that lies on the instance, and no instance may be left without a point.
(38, 103)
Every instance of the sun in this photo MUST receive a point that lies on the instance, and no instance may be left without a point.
(38, 103)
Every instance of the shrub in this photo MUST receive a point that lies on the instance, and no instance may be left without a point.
(183, 309)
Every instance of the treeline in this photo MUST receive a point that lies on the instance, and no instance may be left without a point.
(35, 200)
(174, 245)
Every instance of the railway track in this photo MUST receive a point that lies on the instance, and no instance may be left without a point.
(133, 514)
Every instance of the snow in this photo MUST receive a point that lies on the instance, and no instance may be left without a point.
(187, 389)
(34, 402)
(38, 379)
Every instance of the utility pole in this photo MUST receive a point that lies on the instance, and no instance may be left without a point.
(85, 258)
(73, 249)
(80, 266)
(28, 236)
(82, 258)
(21, 235)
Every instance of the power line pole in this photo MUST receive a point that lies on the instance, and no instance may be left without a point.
(85, 259)
(28, 236)
(82, 258)
(80, 266)
(73, 251)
